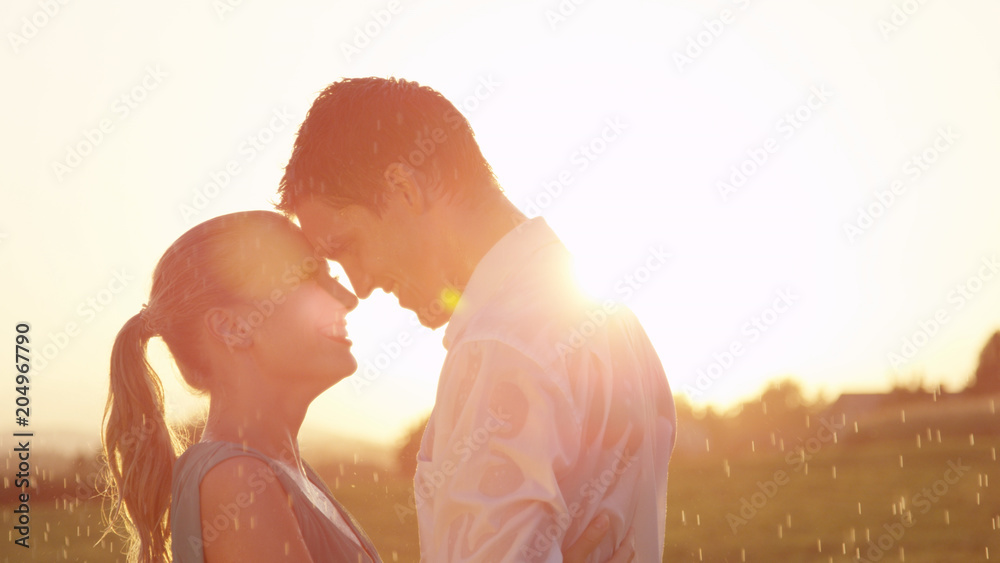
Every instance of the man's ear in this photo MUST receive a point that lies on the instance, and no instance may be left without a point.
(405, 186)
(225, 326)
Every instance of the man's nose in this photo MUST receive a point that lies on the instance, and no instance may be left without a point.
(361, 283)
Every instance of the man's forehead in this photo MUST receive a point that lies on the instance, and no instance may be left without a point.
(316, 216)
(326, 226)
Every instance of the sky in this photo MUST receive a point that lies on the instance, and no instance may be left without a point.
(776, 188)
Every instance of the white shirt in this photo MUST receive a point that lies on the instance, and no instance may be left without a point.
(549, 410)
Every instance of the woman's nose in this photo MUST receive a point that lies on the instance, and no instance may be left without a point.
(342, 294)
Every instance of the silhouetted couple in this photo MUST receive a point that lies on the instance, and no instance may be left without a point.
(540, 447)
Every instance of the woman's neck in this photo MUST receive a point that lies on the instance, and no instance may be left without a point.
(267, 426)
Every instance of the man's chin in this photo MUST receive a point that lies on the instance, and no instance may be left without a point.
(432, 322)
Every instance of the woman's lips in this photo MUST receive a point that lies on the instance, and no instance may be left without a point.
(337, 332)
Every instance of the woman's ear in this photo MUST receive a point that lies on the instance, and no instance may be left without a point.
(404, 187)
(225, 326)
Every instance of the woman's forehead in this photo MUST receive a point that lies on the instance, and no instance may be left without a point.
(262, 258)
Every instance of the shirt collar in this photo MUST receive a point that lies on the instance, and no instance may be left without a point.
(503, 260)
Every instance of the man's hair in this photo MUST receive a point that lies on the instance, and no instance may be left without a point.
(358, 126)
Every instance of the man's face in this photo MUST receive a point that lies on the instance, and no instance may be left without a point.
(392, 253)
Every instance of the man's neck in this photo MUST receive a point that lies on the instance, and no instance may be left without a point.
(474, 232)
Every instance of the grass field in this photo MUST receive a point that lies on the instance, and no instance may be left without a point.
(918, 494)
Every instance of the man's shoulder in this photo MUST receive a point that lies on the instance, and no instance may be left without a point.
(544, 325)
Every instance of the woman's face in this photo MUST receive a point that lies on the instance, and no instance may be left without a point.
(297, 317)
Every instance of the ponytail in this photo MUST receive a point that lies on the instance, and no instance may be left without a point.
(139, 446)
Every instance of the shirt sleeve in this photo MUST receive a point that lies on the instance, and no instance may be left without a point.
(504, 431)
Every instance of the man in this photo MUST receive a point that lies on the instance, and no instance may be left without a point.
(551, 409)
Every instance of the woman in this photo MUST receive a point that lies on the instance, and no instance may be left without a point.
(252, 318)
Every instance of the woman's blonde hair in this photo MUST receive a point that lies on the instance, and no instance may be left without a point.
(212, 264)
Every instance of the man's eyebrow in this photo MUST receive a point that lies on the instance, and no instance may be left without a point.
(328, 246)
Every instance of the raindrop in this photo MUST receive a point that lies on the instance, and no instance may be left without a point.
(834, 472)
(902, 414)
(918, 441)
(972, 440)
(683, 519)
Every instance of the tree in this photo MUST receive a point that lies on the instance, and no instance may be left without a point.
(987, 378)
